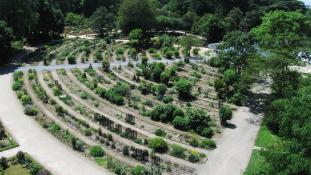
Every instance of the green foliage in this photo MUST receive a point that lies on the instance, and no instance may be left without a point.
(136, 14)
(225, 113)
(31, 110)
(160, 132)
(184, 88)
(187, 42)
(164, 113)
(178, 151)
(138, 170)
(96, 151)
(73, 19)
(208, 144)
(106, 65)
(158, 145)
(102, 20)
(281, 28)
(136, 38)
(6, 38)
(72, 59)
(210, 26)
(181, 123)
(194, 157)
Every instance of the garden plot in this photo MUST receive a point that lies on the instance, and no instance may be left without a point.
(6, 140)
(69, 131)
(169, 158)
(126, 74)
(121, 113)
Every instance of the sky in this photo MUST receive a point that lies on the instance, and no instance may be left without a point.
(307, 2)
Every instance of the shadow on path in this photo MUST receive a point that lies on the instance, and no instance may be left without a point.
(8, 69)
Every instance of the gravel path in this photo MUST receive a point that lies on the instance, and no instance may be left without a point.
(41, 145)
(234, 147)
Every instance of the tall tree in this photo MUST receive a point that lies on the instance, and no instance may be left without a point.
(136, 14)
(210, 26)
(6, 37)
(281, 29)
(51, 21)
(102, 21)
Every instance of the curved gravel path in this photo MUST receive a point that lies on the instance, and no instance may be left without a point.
(234, 146)
(41, 145)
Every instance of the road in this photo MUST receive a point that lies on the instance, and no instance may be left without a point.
(33, 139)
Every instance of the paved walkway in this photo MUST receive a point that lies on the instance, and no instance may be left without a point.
(33, 139)
(234, 147)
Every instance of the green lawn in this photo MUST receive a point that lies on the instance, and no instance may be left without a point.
(16, 170)
(256, 163)
(265, 138)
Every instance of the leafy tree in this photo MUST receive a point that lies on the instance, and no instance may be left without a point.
(237, 47)
(184, 88)
(189, 19)
(285, 81)
(225, 114)
(136, 38)
(281, 29)
(198, 118)
(20, 15)
(158, 145)
(73, 19)
(181, 123)
(102, 21)
(136, 14)
(187, 42)
(233, 19)
(212, 27)
(6, 36)
(230, 77)
(250, 20)
(50, 22)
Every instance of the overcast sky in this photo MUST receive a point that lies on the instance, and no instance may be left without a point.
(308, 2)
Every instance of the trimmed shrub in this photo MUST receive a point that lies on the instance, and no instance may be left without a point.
(160, 133)
(31, 110)
(158, 145)
(178, 151)
(194, 157)
(208, 144)
(97, 151)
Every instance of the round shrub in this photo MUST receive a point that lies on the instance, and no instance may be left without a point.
(160, 132)
(178, 151)
(208, 144)
(97, 151)
(17, 85)
(26, 100)
(167, 99)
(194, 142)
(30, 110)
(194, 157)
(207, 132)
(225, 114)
(158, 145)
